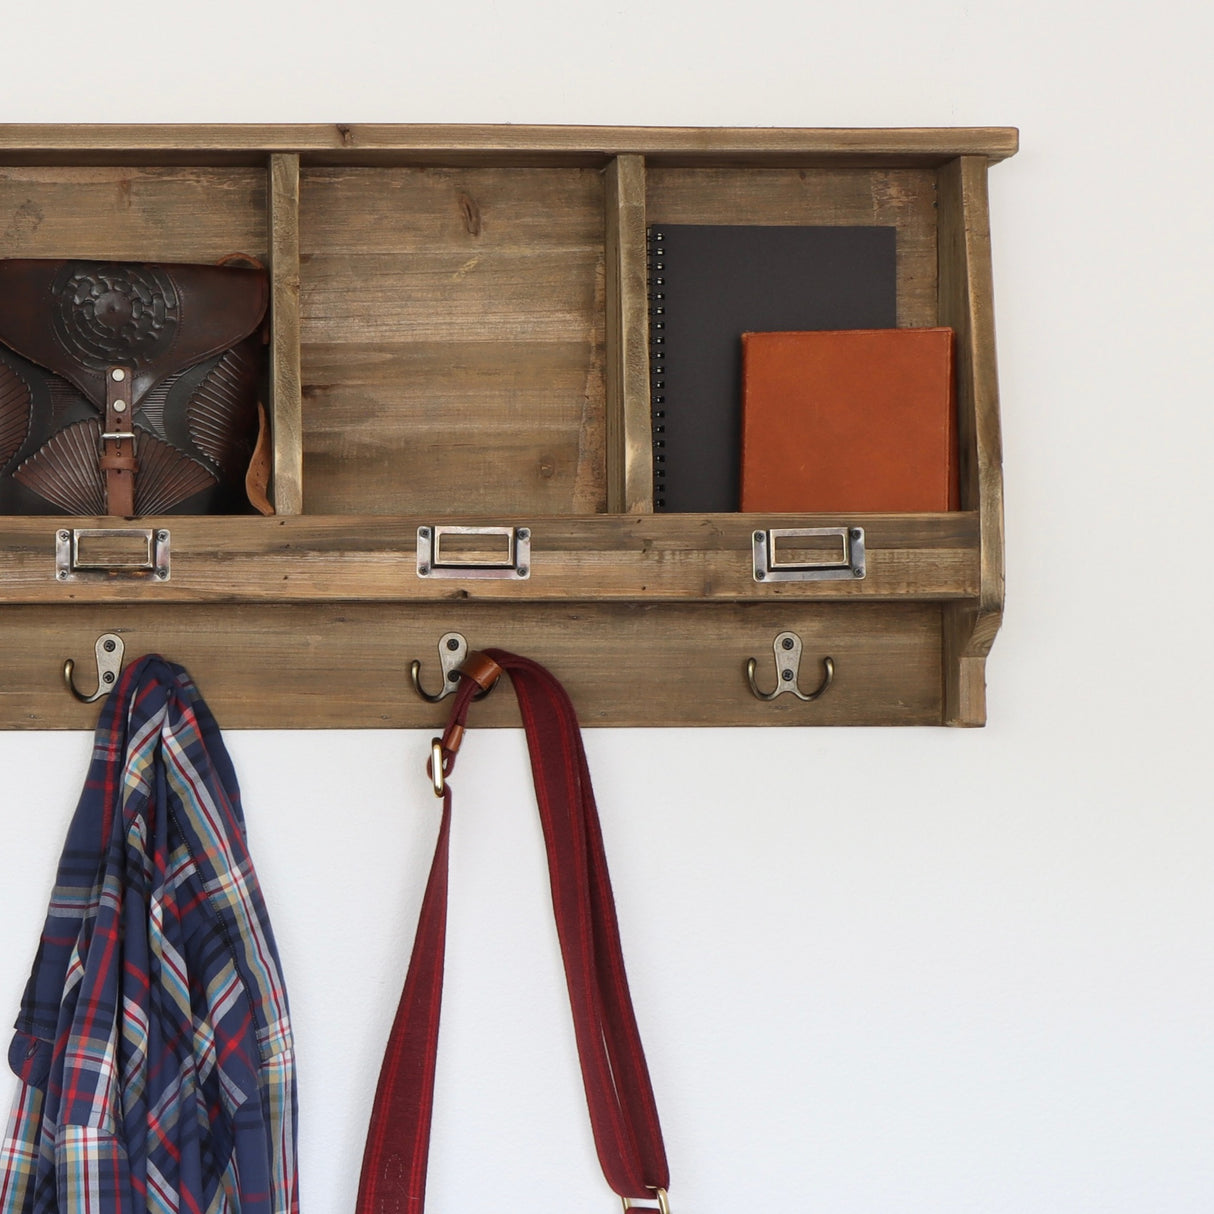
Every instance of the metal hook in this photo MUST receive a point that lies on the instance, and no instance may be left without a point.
(452, 650)
(787, 648)
(109, 650)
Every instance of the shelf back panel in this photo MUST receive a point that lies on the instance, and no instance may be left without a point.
(132, 213)
(452, 333)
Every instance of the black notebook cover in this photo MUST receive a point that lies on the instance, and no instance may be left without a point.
(708, 284)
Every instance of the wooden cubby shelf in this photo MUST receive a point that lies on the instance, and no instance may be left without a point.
(459, 337)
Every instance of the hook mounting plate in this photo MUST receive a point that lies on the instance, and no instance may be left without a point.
(452, 650)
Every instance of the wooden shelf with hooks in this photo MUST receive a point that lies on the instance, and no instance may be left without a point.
(459, 340)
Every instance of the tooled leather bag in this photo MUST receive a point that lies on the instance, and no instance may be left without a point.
(130, 388)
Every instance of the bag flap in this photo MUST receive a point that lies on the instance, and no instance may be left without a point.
(77, 318)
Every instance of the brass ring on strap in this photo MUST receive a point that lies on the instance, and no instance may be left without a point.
(661, 1198)
(436, 767)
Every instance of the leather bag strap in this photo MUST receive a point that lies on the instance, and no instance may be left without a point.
(117, 462)
(619, 1095)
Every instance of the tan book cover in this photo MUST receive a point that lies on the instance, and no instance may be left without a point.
(849, 420)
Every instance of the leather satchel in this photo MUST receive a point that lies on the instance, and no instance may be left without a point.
(130, 388)
(619, 1096)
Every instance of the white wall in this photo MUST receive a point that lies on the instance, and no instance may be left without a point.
(876, 970)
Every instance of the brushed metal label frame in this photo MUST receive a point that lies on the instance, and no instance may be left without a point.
(153, 565)
(851, 563)
(432, 562)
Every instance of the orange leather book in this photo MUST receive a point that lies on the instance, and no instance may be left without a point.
(851, 420)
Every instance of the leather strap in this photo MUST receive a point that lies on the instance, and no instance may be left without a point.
(623, 1113)
(118, 463)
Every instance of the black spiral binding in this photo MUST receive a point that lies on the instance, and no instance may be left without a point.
(656, 257)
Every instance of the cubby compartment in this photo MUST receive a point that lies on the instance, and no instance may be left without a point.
(451, 326)
(460, 338)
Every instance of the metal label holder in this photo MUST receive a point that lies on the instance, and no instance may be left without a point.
(149, 557)
(435, 561)
(848, 565)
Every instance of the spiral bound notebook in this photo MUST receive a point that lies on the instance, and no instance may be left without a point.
(708, 284)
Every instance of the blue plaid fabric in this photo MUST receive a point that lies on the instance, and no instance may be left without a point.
(154, 1045)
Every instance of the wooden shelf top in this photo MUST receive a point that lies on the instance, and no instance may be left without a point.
(338, 143)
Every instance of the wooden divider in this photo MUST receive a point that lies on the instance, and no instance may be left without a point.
(629, 435)
(285, 383)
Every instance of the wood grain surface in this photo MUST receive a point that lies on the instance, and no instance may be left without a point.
(676, 557)
(132, 214)
(967, 304)
(352, 143)
(323, 666)
(286, 391)
(629, 427)
(453, 340)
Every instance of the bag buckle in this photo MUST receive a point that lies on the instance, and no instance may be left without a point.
(437, 775)
(663, 1202)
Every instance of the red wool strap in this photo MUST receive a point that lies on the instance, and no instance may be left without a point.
(623, 1114)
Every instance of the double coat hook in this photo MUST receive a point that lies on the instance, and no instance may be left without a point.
(787, 649)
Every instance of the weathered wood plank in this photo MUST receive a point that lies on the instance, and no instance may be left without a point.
(453, 340)
(285, 378)
(276, 666)
(675, 557)
(629, 435)
(132, 214)
(967, 304)
(350, 141)
(900, 198)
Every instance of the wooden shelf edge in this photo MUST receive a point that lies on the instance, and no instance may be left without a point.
(338, 142)
(643, 558)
